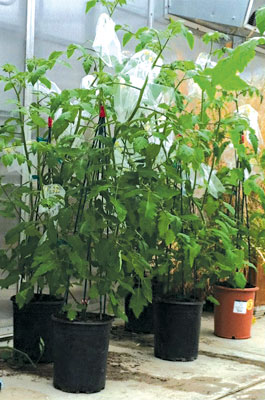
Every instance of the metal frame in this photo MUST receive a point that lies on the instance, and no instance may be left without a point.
(151, 11)
(28, 95)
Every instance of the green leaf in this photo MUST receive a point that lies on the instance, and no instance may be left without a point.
(90, 4)
(211, 206)
(45, 82)
(260, 20)
(12, 236)
(38, 120)
(147, 289)
(93, 292)
(126, 38)
(8, 86)
(55, 54)
(194, 251)
(44, 268)
(213, 300)
(254, 141)
(7, 159)
(229, 207)
(214, 37)
(70, 50)
(87, 63)
(12, 278)
(24, 296)
(120, 209)
(190, 38)
(240, 280)
(35, 76)
(169, 237)
(140, 143)
(59, 126)
(71, 314)
(137, 302)
(150, 207)
(163, 223)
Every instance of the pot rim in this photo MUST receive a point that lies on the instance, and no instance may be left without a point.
(238, 290)
(57, 319)
(178, 302)
(30, 303)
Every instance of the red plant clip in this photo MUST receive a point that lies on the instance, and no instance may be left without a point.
(102, 113)
(50, 122)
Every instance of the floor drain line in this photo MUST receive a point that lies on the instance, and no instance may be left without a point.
(239, 390)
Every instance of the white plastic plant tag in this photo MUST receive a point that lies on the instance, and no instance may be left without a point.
(240, 307)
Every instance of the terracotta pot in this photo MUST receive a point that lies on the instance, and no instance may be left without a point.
(233, 317)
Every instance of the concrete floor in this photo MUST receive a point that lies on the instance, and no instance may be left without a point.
(225, 369)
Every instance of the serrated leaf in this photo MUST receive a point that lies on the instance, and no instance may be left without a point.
(140, 143)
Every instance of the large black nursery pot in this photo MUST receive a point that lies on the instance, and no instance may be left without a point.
(177, 329)
(33, 323)
(80, 353)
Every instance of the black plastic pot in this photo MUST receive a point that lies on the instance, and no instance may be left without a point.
(177, 329)
(33, 322)
(142, 324)
(80, 354)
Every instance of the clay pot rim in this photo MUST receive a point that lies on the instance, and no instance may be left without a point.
(238, 290)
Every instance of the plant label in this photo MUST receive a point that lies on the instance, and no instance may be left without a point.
(240, 307)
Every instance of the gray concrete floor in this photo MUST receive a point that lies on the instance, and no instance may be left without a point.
(225, 369)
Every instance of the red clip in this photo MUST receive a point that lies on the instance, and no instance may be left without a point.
(242, 139)
(102, 113)
(50, 122)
